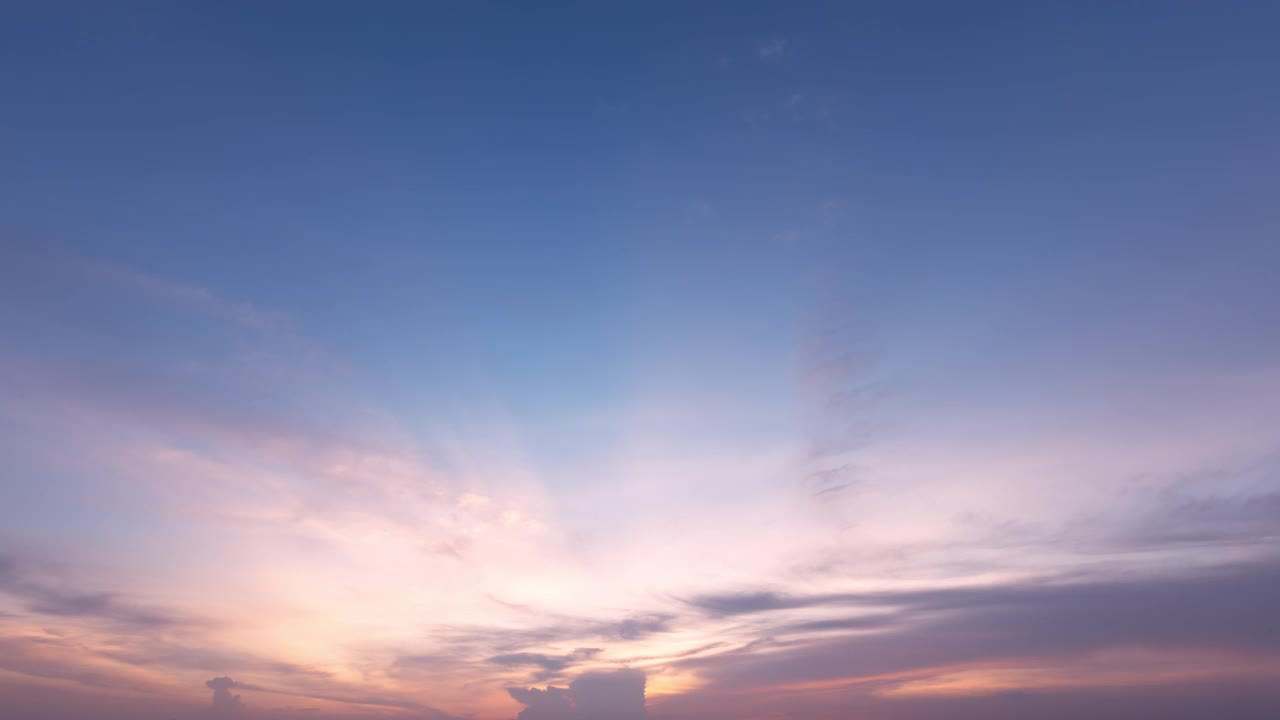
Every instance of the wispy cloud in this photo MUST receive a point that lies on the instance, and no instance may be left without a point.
(42, 599)
(772, 49)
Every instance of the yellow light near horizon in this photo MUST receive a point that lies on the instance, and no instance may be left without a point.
(671, 683)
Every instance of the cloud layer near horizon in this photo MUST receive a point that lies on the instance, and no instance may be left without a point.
(432, 588)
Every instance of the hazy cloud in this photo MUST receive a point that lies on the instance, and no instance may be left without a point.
(772, 50)
(560, 631)
(746, 603)
(551, 664)
(1240, 520)
(41, 598)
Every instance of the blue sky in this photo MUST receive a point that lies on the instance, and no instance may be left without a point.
(595, 314)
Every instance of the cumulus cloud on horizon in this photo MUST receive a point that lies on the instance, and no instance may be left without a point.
(224, 704)
(617, 695)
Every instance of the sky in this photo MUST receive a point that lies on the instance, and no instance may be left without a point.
(608, 361)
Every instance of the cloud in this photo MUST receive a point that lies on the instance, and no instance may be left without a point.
(100, 605)
(551, 665)
(772, 50)
(45, 656)
(552, 703)
(1250, 700)
(560, 631)
(1227, 609)
(636, 628)
(833, 204)
(45, 600)
(773, 633)
(165, 652)
(864, 622)
(166, 291)
(1204, 521)
(742, 603)
(224, 704)
(617, 695)
(1027, 648)
(546, 662)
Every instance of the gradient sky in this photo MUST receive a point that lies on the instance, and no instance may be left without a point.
(689, 361)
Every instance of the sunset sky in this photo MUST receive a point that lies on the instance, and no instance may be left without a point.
(681, 361)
